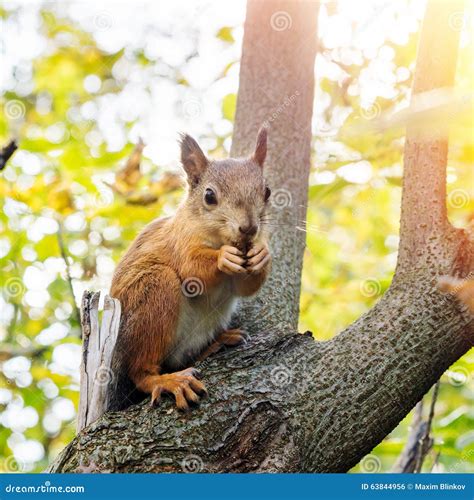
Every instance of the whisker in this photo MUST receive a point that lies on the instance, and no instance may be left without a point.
(309, 228)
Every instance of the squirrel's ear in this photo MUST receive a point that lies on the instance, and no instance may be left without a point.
(193, 159)
(261, 146)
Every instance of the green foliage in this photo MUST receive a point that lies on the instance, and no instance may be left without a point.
(225, 34)
(228, 106)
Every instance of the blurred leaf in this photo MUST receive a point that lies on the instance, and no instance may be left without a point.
(228, 106)
(225, 34)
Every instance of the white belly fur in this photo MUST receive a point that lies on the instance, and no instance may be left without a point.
(200, 318)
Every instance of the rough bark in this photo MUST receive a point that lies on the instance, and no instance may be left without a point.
(287, 403)
(277, 88)
(284, 402)
(423, 232)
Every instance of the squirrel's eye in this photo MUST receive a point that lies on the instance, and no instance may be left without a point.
(210, 197)
(268, 192)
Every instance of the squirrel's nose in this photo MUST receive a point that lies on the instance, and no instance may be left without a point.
(248, 230)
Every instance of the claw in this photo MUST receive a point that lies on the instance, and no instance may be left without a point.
(183, 385)
(245, 336)
(156, 396)
(233, 337)
(195, 373)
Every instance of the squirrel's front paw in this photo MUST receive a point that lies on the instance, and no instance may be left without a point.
(230, 260)
(258, 258)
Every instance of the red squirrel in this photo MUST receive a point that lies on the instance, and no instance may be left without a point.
(180, 280)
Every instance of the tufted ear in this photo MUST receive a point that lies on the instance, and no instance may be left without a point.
(260, 152)
(193, 159)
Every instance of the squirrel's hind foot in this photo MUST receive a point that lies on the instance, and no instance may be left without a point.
(228, 338)
(233, 337)
(183, 385)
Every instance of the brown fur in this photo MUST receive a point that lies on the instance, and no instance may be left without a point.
(226, 338)
(462, 289)
(148, 280)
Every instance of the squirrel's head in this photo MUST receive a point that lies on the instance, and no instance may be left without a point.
(229, 197)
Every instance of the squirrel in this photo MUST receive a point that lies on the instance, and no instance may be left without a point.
(180, 281)
(462, 289)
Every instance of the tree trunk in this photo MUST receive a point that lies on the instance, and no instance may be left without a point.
(284, 402)
(276, 88)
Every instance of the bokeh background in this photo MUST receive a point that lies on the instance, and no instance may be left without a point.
(82, 81)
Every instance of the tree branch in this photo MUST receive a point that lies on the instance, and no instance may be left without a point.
(7, 152)
(9, 352)
(426, 442)
(419, 442)
(424, 226)
(62, 249)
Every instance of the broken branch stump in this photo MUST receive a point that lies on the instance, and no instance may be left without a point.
(98, 341)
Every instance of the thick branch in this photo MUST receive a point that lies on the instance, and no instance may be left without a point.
(286, 403)
(424, 224)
